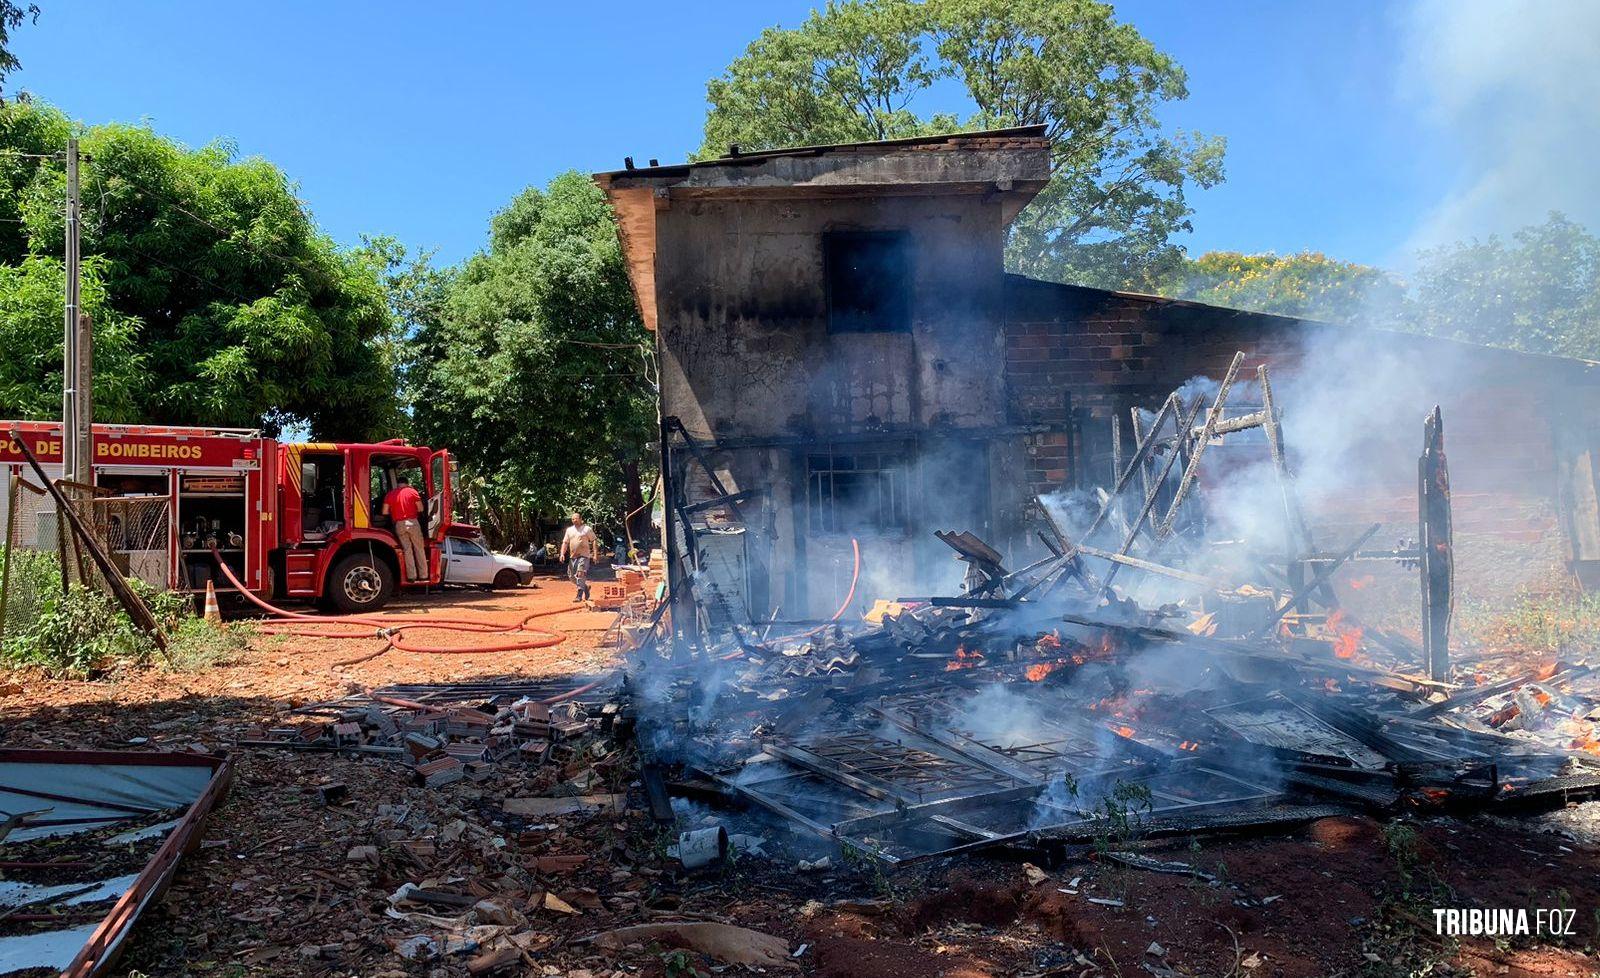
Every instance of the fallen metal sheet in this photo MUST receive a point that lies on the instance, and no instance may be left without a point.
(76, 796)
(74, 792)
(1275, 722)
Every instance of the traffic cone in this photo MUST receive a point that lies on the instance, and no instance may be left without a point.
(213, 614)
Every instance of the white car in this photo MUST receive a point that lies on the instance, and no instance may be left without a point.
(470, 562)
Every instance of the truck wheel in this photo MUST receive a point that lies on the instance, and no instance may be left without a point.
(505, 580)
(359, 583)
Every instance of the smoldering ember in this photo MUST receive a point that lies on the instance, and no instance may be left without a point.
(993, 626)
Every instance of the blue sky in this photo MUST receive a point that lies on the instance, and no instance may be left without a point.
(420, 120)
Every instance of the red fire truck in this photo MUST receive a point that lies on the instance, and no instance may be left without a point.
(291, 520)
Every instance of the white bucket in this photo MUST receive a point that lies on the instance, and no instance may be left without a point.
(702, 847)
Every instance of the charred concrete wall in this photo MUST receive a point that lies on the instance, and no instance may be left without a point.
(749, 364)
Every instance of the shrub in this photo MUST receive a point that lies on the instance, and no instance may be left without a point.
(78, 632)
(83, 630)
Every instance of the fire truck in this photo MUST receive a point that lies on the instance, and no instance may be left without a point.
(292, 520)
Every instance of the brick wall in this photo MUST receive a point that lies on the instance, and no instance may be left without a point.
(1074, 356)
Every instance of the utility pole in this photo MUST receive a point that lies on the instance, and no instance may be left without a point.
(76, 371)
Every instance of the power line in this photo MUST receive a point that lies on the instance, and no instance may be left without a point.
(229, 236)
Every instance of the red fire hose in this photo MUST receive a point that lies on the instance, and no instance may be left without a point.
(392, 628)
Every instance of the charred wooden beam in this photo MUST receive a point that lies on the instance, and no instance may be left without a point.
(1323, 575)
(1184, 424)
(1437, 548)
(1191, 470)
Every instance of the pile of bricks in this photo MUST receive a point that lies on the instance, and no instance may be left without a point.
(445, 744)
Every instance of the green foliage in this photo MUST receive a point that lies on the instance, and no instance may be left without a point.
(855, 71)
(77, 632)
(679, 964)
(1537, 291)
(34, 577)
(1309, 285)
(222, 303)
(530, 360)
(12, 14)
(83, 631)
(32, 308)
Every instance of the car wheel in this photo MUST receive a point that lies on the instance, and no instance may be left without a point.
(360, 583)
(506, 579)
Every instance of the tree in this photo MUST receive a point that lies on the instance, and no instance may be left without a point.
(533, 368)
(1539, 291)
(242, 313)
(855, 71)
(1309, 285)
(32, 309)
(12, 14)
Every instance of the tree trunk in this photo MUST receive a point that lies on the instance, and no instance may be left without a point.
(638, 523)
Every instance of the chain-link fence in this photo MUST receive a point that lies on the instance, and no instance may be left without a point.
(34, 562)
(42, 555)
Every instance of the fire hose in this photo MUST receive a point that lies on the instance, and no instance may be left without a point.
(392, 629)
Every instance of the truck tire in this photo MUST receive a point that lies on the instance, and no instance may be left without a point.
(359, 583)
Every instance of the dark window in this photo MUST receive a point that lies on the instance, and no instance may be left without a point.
(868, 281)
(854, 491)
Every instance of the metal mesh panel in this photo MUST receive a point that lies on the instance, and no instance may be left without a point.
(32, 559)
(135, 531)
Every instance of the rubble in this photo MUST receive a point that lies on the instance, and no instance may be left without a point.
(1046, 706)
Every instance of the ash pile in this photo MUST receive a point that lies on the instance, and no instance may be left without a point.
(1052, 704)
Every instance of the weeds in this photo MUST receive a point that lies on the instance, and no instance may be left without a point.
(1118, 820)
(82, 631)
(679, 964)
(864, 862)
(1538, 623)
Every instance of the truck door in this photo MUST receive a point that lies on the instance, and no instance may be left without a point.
(441, 506)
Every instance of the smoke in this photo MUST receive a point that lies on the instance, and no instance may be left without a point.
(1512, 86)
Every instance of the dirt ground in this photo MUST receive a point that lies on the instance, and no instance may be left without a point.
(275, 888)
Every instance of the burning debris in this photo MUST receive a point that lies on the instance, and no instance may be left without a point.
(1048, 704)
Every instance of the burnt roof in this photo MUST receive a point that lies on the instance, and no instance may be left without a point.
(1036, 131)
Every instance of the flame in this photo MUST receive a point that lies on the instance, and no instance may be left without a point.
(964, 659)
(1346, 639)
(1123, 731)
(1049, 642)
(1358, 583)
(1039, 670)
(1331, 685)
(1189, 745)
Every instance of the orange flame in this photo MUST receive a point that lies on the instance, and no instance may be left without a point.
(1346, 639)
(964, 659)
(1123, 731)
(1039, 670)
(1358, 583)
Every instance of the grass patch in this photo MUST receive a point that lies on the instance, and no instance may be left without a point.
(1549, 623)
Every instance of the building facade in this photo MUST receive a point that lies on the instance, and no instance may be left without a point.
(849, 359)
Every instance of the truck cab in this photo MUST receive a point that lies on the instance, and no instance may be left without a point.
(337, 543)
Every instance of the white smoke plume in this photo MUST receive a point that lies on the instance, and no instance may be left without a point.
(1514, 87)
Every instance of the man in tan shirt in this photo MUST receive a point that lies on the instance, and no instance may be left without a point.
(578, 549)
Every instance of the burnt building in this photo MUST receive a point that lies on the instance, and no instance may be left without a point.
(849, 359)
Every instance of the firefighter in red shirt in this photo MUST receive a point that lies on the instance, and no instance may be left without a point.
(402, 504)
